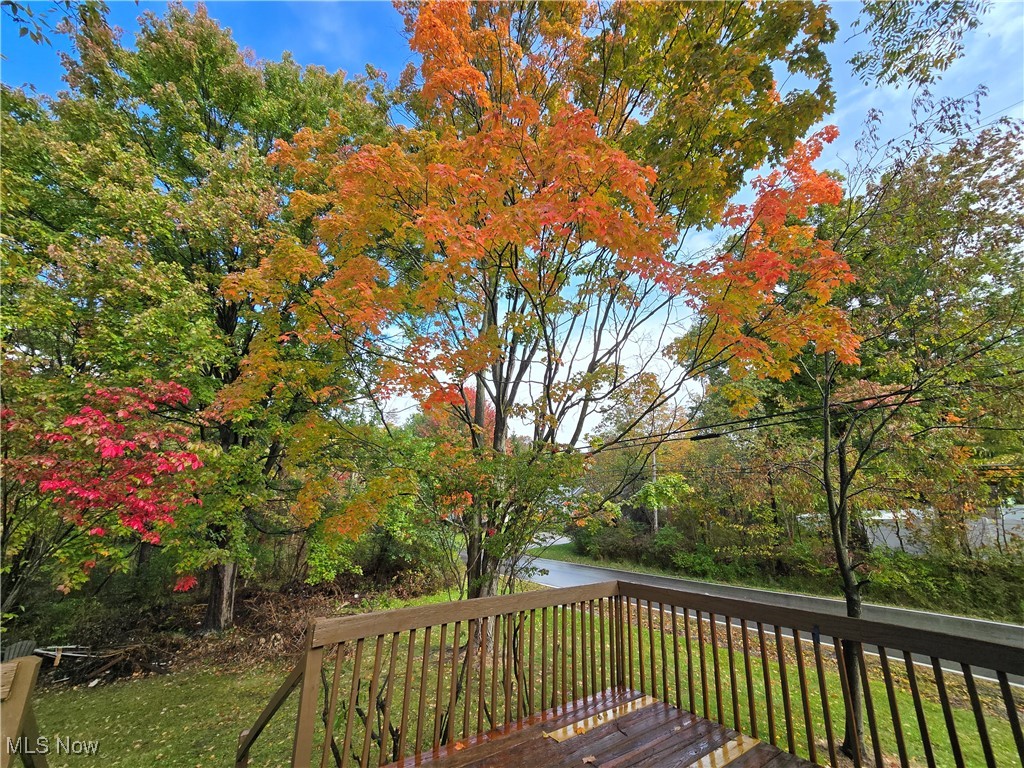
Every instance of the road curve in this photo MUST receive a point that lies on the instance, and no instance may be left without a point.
(555, 573)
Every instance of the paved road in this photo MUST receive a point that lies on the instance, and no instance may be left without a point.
(560, 574)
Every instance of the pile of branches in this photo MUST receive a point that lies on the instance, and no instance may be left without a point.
(81, 665)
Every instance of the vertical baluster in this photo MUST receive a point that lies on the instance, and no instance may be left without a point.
(805, 696)
(733, 689)
(533, 647)
(519, 663)
(572, 634)
(495, 644)
(357, 668)
(703, 667)
(385, 730)
(752, 709)
(332, 707)
(438, 691)
(406, 694)
(689, 662)
(767, 679)
(869, 705)
(1011, 712)
(664, 656)
(544, 658)
(467, 691)
(894, 710)
(422, 703)
(619, 630)
(922, 723)
(594, 686)
(616, 619)
(481, 683)
(675, 656)
(453, 683)
(628, 629)
(601, 631)
(509, 670)
(979, 716)
(584, 634)
(371, 707)
(640, 646)
(787, 708)
(565, 650)
(713, 628)
(823, 691)
(848, 703)
(650, 638)
(947, 713)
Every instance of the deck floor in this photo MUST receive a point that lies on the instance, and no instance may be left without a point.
(612, 729)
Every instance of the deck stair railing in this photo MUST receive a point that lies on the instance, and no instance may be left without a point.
(381, 688)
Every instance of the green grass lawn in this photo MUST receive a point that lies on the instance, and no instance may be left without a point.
(182, 719)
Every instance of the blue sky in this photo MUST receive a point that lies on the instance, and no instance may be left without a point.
(347, 35)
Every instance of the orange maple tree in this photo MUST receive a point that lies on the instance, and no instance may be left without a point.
(766, 296)
(520, 251)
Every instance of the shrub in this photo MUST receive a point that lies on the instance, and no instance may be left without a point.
(668, 543)
(620, 540)
(387, 557)
(804, 557)
(699, 564)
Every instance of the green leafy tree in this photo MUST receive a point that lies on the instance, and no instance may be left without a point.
(151, 170)
(913, 43)
(935, 245)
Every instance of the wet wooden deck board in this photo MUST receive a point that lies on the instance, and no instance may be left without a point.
(653, 736)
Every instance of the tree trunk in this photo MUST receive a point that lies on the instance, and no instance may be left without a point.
(220, 610)
(481, 574)
(146, 551)
(837, 499)
(853, 736)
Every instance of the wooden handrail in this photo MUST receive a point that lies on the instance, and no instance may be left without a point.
(968, 650)
(416, 680)
(346, 628)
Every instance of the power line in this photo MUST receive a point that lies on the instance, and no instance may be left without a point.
(757, 422)
(659, 437)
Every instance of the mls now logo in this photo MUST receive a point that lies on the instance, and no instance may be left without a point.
(44, 745)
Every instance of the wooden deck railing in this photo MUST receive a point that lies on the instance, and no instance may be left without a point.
(383, 687)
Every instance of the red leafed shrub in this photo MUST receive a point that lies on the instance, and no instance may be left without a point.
(115, 468)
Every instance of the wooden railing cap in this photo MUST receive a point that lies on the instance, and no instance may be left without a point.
(340, 629)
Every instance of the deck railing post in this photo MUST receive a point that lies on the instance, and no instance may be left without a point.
(302, 753)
